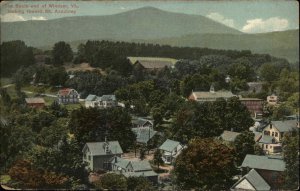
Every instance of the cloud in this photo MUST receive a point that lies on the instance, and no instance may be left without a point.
(271, 24)
(11, 17)
(221, 19)
(41, 18)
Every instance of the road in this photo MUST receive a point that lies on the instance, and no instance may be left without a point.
(29, 92)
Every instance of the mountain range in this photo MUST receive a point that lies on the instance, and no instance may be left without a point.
(151, 25)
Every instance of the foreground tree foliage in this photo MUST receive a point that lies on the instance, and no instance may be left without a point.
(93, 124)
(291, 157)
(206, 164)
(31, 177)
(244, 144)
(112, 181)
(210, 119)
(139, 183)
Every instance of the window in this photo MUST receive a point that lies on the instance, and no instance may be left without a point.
(266, 132)
(276, 134)
(273, 134)
(266, 146)
(89, 157)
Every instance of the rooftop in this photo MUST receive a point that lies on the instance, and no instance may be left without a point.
(213, 95)
(255, 180)
(143, 135)
(229, 136)
(153, 62)
(266, 139)
(98, 148)
(264, 162)
(169, 145)
(284, 126)
(137, 166)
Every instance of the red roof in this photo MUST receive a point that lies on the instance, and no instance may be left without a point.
(64, 92)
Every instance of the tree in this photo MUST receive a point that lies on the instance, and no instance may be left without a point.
(237, 116)
(143, 150)
(61, 53)
(94, 124)
(206, 164)
(290, 147)
(139, 183)
(30, 177)
(244, 144)
(112, 181)
(157, 158)
(15, 54)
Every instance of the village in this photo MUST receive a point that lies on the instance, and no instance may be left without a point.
(154, 154)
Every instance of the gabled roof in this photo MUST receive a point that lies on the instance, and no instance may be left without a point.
(66, 91)
(255, 180)
(108, 98)
(169, 145)
(123, 163)
(98, 148)
(153, 62)
(141, 165)
(34, 100)
(266, 139)
(143, 135)
(136, 165)
(229, 136)
(140, 121)
(264, 162)
(91, 97)
(283, 126)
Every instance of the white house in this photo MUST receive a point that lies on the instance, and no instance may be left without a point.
(171, 149)
(67, 96)
(104, 101)
(97, 155)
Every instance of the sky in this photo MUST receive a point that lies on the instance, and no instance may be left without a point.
(256, 16)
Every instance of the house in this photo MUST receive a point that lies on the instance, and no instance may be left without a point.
(277, 129)
(229, 136)
(133, 168)
(270, 168)
(97, 155)
(144, 134)
(67, 96)
(35, 102)
(141, 122)
(171, 149)
(152, 63)
(254, 105)
(212, 95)
(269, 144)
(251, 181)
(272, 99)
(105, 101)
